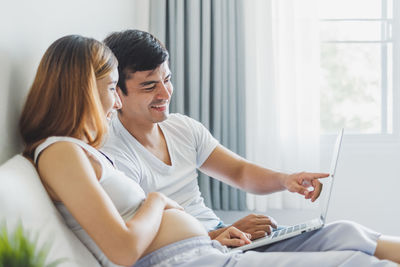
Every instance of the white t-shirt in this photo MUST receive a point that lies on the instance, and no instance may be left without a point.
(189, 145)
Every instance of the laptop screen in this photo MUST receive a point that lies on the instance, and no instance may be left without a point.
(328, 182)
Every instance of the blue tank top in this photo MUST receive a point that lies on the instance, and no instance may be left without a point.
(125, 193)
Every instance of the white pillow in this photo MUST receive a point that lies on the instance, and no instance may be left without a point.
(24, 199)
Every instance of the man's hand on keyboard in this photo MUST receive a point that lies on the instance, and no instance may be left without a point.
(256, 224)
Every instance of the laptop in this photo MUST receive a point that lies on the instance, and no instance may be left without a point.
(311, 225)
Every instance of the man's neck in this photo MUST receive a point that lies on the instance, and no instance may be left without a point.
(150, 136)
(147, 133)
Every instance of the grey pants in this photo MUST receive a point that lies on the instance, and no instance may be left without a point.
(337, 244)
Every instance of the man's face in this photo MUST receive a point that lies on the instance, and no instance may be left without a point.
(149, 94)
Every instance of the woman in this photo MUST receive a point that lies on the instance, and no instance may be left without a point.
(72, 97)
(63, 124)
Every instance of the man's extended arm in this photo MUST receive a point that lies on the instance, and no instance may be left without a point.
(232, 169)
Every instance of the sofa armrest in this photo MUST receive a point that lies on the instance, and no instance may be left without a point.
(24, 199)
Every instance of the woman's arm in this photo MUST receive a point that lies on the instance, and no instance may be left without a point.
(233, 237)
(66, 170)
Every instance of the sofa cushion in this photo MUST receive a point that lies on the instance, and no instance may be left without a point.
(24, 199)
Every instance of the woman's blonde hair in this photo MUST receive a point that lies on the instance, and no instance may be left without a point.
(64, 99)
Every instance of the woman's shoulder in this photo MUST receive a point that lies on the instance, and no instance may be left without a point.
(61, 153)
(60, 144)
(67, 161)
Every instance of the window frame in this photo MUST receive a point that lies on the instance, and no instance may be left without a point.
(388, 35)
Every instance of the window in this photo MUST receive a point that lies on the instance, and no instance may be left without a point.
(357, 65)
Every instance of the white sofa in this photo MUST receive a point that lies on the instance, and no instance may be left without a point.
(24, 199)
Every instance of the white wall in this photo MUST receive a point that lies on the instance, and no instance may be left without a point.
(28, 27)
(367, 183)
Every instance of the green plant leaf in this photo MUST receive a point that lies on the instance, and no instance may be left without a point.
(18, 250)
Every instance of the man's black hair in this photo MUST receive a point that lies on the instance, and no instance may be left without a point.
(136, 51)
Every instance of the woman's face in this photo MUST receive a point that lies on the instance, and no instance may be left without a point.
(108, 94)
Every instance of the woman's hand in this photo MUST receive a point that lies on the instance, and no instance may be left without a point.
(301, 182)
(169, 203)
(233, 237)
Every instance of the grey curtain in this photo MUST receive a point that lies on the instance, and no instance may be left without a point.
(205, 42)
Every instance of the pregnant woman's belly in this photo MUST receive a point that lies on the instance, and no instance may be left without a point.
(176, 225)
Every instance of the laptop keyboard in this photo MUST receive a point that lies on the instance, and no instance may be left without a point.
(282, 232)
(288, 230)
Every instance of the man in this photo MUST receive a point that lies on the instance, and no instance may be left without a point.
(163, 151)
